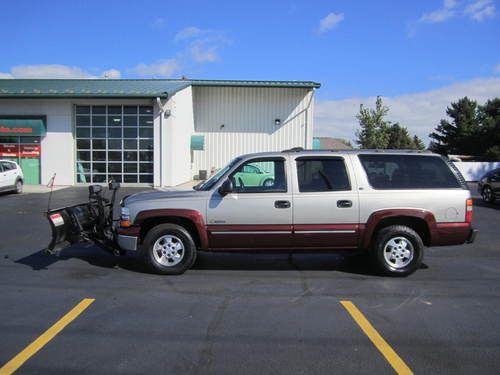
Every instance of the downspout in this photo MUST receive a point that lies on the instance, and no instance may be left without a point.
(162, 114)
(307, 117)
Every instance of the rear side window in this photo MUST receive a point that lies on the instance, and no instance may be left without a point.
(322, 174)
(8, 166)
(408, 172)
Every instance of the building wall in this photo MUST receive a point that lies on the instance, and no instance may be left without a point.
(248, 115)
(177, 129)
(58, 145)
(57, 155)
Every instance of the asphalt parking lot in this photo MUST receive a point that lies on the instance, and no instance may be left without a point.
(242, 313)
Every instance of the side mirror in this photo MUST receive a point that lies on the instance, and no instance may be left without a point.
(226, 187)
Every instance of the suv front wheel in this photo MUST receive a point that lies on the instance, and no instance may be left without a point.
(398, 250)
(169, 249)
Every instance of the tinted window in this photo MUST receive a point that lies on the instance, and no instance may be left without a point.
(408, 172)
(8, 166)
(260, 176)
(322, 174)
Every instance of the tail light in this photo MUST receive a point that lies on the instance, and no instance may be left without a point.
(468, 211)
(125, 218)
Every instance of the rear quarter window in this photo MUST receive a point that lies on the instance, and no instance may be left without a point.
(8, 166)
(408, 172)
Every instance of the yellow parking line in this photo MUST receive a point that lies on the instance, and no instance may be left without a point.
(48, 335)
(390, 355)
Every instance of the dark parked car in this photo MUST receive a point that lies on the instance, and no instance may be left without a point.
(489, 186)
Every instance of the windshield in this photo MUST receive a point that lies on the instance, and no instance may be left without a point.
(208, 184)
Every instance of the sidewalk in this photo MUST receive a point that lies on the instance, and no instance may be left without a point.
(40, 189)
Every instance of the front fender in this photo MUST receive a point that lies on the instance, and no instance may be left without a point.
(196, 217)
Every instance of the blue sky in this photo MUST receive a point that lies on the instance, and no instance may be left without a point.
(355, 49)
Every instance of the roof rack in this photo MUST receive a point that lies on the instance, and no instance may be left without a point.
(295, 149)
(354, 150)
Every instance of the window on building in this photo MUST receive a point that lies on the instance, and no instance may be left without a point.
(114, 142)
(322, 174)
(260, 176)
(408, 172)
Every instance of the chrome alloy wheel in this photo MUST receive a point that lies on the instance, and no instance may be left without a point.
(398, 252)
(168, 250)
(19, 187)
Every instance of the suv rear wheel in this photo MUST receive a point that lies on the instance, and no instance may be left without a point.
(398, 250)
(19, 186)
(169, 249)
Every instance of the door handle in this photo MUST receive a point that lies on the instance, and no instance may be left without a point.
(344, 204)
(282, 204)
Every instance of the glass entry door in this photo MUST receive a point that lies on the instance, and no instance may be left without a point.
(25, 151)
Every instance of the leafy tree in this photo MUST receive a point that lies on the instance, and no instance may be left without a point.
(489, 118)
(374, 129)
(461, 134)
(377, 132)
(419, 144)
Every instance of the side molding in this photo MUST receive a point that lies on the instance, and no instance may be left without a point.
(192, 215)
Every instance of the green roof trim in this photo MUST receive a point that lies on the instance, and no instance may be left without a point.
(122, 88)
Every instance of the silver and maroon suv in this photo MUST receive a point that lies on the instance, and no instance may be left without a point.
(389, 203)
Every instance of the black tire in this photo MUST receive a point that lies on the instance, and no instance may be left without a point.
(176, 233)
(19, 186)
(268, 182)
(487, 194)
(392, 242)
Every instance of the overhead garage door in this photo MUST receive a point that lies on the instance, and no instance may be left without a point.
(114, 142)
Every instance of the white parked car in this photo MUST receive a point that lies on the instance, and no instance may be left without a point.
(11, 176)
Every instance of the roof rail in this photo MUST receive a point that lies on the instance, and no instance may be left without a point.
(294, 149)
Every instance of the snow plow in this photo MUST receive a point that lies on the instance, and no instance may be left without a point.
(87, 222)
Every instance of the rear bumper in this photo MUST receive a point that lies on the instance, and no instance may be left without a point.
(127, 242)
(449, 234)
(472, 236)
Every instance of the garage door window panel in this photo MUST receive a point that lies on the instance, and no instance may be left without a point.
(116, 139)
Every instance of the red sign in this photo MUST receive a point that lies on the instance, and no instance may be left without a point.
(15, 151)
(4, 129)
(9, 150)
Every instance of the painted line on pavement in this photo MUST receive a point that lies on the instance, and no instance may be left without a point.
(390, 355)
(44, 338)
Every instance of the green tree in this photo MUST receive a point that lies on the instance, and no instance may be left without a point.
(489, 118)
(374, 128)
(419, 144)
(461, 135)
(377, 132)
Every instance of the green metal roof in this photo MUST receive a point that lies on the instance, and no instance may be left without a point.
(121, 88)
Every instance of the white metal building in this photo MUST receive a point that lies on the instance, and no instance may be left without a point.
(161, 132)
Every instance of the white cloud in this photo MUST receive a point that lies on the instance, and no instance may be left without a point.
(440, 15)
(480, 10)
(496, 69)
(159, 69)
(53, 71)
(188, 33)
(202, 53)
(330, 21)
(420, 112)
